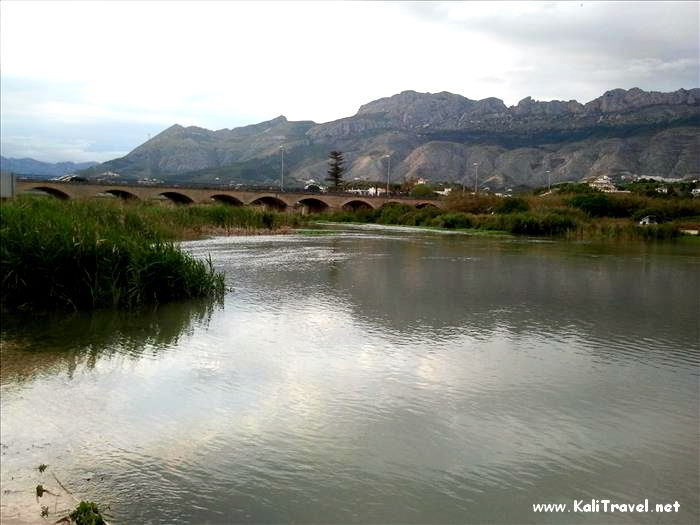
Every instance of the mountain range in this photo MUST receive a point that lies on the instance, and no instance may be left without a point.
(442, 137)
(36, 168)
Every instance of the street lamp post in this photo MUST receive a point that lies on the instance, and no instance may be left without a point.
(388, 171)
(282, 170)
(549, 180)
(476, 177)
(466, 172)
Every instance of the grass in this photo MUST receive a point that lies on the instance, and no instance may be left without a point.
(195, 221)
(87, 513)
(521, 223)
(86, 255)
(589, 216)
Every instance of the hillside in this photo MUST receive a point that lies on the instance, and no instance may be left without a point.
(36, 168)
(440, 137)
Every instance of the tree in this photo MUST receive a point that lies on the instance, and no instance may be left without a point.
(336, 168)
(422, 190)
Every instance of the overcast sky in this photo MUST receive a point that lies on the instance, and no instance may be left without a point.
(92, 80)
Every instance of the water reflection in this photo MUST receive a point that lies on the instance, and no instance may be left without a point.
(447, 286)
(31, 344)
(366, 377)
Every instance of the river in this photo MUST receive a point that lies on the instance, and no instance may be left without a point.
(370, 375)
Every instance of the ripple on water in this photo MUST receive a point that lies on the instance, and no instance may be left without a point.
(373, 377)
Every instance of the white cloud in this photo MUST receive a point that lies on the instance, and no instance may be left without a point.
(226, 64)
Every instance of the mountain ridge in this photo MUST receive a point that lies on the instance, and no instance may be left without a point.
(653, 132)
(28, 167)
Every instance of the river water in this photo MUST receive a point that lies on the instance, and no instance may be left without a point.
(370, 375)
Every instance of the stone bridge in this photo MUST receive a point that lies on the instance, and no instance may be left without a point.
(301, 202)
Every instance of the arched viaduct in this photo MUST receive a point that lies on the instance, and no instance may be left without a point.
(301, 202)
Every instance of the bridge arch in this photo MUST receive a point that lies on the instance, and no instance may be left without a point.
(227, 199)
(51, 191)
(270, 202)
(177, 198)
(312, 205)
(422, 205)
(357, 204)
(122, 194)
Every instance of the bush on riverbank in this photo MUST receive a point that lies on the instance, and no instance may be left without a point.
(526, 223)
(623, 230)
(522, 217)
(591, 203)
(86, 254)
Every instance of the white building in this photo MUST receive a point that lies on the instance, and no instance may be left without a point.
(602, 183)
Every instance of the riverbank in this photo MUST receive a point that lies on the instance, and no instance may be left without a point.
(593, 216)
(87, 254)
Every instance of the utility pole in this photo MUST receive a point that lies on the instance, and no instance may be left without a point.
(466, 172)
(282, 170)
(476, 178)
(388, 171)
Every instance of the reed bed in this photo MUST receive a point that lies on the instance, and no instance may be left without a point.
(195, 221)
(88, 254)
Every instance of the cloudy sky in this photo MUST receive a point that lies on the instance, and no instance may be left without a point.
(93, 80)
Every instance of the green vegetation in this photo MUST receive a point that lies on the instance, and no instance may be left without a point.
(87, 513)
(422, 191)
(600, 205)
(95, 254)
(513, 205)
(572, 212)
(194, 221)
(573, 187)
(336, 169)
(86, 254)
(660, 190)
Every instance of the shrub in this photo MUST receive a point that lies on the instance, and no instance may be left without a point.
(541, 224)
(668, 210)
(423, 216)
(598, 205)
(422, 190)
(513, 205)
(452, 220)
(391, 213)
(480, 203)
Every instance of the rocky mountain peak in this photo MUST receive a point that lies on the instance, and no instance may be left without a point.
(439, 135)
(408, 102)
(175, 128)
(530, 107)
(488, 105)
(621, 100)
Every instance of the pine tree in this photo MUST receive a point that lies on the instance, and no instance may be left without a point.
(336, 168)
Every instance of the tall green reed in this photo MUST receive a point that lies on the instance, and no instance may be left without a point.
(88, 254)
